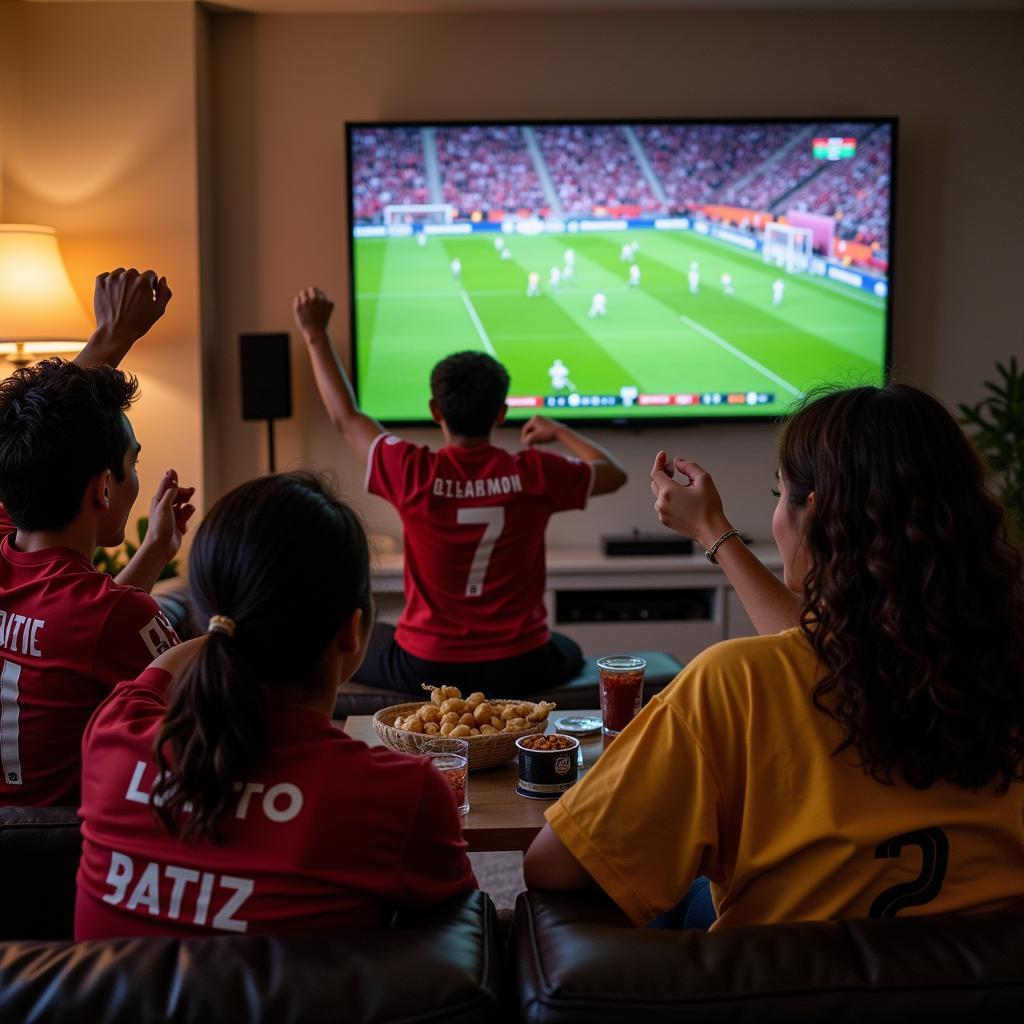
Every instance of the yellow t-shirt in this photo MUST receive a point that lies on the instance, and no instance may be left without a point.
(728, 773)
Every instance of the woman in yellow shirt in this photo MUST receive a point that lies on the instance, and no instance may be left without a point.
(864, 755)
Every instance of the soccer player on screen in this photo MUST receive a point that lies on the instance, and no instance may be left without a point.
(778, 287)
(626, 253)
(693, 277)
(727, 287)
(559, 374)
(421, 239)
(555, 278)
(456, 266)
(474, 518)
(68, 480)
(569, 264)
(533, 285)
(598, 305)
(634, 276)
(499, 243)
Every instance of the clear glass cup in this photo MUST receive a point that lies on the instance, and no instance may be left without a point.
(451, 758)
(622, 689)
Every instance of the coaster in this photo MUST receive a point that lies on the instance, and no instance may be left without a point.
(578, 726)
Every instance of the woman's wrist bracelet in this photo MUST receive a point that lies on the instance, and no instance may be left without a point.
(710, 553)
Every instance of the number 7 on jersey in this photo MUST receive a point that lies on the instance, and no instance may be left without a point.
(494, 518)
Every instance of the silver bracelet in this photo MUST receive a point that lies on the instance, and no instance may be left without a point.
(710, 553)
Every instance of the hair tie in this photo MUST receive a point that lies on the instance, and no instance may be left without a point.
(221, 624)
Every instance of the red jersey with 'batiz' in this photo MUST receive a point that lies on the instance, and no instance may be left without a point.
(474, 521)
(68, 634)
(326, 833)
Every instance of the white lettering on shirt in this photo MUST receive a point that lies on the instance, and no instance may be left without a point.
(444, 488)
(156, 636)
(146, 892)
(13, 626)
(282, 802)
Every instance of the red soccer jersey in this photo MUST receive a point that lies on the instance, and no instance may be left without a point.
(327, 833)
(474, 521)
(68, 633)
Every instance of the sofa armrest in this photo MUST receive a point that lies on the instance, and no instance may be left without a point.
(578, 959)
(39, 852)
(441, 966)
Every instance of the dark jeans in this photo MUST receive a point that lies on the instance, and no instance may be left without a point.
(388, 666)
(694, 910)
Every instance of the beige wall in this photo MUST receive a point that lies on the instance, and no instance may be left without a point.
(284, 86)
(98, 139)
(211, 145)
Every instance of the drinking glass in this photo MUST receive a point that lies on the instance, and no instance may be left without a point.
(622, 687)
(451, 758)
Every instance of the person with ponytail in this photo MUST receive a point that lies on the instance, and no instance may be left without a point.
(216, 794)
(863, 756)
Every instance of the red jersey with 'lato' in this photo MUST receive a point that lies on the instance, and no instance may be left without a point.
(68, 633)
(328, 833)
(474, 521)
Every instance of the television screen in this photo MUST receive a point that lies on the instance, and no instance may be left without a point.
(625, 270)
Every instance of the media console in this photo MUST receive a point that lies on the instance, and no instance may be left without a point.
(679, 603)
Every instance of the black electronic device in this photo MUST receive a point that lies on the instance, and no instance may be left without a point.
(266, 380)
(637, 543)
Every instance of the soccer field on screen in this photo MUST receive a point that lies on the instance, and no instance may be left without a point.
(656, 337)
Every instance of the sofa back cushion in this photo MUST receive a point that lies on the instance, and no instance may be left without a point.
(578, 959)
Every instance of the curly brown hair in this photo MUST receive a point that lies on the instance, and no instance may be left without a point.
(914, 602)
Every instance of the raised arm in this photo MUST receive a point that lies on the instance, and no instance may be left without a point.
(687, 501)
(127, 304)
(608, 472)
(312, 310)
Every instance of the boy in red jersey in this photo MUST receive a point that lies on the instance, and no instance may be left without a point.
(68, 481)
(474, 517)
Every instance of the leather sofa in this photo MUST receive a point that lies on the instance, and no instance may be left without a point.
(444, 965)
(576, 959)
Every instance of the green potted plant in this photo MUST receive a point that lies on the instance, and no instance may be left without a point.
(998, 433)
(113, 560)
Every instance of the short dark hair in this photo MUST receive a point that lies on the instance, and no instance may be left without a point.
(470, 388)
(60, 425)
(214, 733)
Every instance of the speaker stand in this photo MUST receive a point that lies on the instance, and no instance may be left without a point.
(270, 445)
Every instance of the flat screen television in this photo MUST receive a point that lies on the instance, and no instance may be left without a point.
(624, 270)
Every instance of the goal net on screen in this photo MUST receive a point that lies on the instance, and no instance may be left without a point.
(418, 213)
(789, 247)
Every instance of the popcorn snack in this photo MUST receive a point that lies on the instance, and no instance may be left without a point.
(448, 714)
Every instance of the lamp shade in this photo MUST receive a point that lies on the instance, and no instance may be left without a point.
(37, 302)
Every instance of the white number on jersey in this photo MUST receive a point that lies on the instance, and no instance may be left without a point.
(10, 750)
(495, 520)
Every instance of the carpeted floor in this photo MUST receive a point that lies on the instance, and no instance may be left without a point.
(501, 875)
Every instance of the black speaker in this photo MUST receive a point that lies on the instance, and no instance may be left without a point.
(266, 376)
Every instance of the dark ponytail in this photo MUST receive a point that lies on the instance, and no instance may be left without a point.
(287, 563)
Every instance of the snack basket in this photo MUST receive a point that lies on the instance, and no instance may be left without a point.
(484, 751)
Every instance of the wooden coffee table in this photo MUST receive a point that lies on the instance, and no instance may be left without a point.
(498, 818)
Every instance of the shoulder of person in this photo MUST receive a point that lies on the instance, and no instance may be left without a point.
(736, 669)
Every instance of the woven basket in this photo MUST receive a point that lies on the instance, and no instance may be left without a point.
(484, 751)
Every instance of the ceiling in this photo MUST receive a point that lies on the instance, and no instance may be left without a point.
(484, 6)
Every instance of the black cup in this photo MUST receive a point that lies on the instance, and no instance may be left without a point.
(547, 774)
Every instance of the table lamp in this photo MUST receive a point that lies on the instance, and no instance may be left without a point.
(40, 314)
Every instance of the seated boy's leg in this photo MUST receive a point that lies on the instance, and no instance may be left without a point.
(695, 910)
(384, 665)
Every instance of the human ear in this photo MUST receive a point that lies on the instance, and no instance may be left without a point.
(435, 411)
(101, 489)
(351, 635)
(501, 416)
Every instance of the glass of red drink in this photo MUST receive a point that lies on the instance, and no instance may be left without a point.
(451, 758)
(622, 688)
